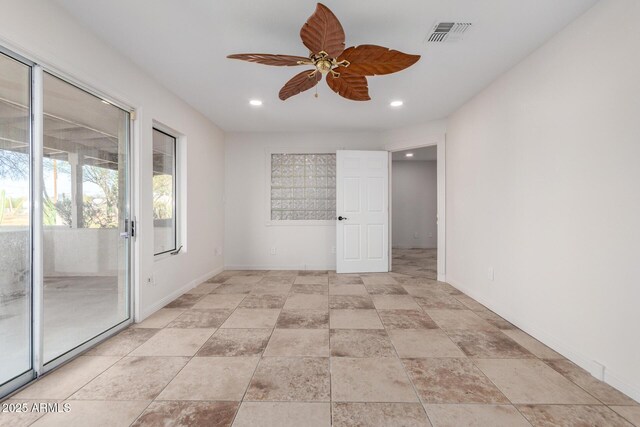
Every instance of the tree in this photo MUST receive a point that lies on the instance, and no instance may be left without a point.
(14, 165)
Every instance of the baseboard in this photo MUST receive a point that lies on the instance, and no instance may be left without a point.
(441, 278)
(281, 267)
(176, 293)
(551, 341)
(413, 247)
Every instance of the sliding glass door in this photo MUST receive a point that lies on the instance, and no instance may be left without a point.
(85, 216)
(15, 219)
(65, 248)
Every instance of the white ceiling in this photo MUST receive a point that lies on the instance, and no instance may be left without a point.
(184, 45)
(419, 155)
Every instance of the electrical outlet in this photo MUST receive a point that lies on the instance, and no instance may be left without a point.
(490, 274)
(274, 250)
(151, 281)
(415, 235)
(333, 249)
(430, 234)
(217, 251)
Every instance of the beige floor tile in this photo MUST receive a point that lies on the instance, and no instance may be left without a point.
(233, 288)
(303, 319)
(306, 302)
(133, 378)
(439, 301)
(425, 291)
(211, 378)
(204, 288)
(95, 413)
(123, 343)
(470, 303)
(386, 290)
(270, 289)
(350, 302)
(184, 301)
(370, 380)
(395, 302)
(451, 381)
(378, 279)
(264, 301)
(298, 343)
(348, 414)
(531, 381)
(598, 389)
(160, 318)
(490, 344)
(495, 320)
(282, 273)
(532, 344)
(571, 416)
(406, 319)
(312, 280)
(252, 318)
(283, 414)
(243, 280)
(347, 290)
(174, 342)
(220, 301)
(459, 319)
(630, 413)
(236, 342)
(345, 279)
(200, 318)
(316, 273)
(354, 319)
(222, 277)
(310, 289)
(290, 379)
(183, 413)
(361, 343)
(475, 415)
(67, 379)
(412, 343)
(447, 288)
(277, 280)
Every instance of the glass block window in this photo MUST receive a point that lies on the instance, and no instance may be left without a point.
(303, 187)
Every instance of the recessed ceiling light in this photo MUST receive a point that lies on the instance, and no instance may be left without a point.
(396, 103)
(255, 102)
(409, 154)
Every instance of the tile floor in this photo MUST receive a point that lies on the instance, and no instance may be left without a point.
(415, 262)
(281, 348)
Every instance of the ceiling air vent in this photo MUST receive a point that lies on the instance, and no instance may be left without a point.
(448, 32)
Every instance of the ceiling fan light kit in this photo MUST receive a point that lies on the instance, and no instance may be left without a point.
(346, 70)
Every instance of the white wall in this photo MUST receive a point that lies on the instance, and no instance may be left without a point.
(543, 186)
(248, 238)
(46, 33)
(414, 203)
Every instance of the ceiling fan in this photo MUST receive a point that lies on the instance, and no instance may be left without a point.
(345, 69)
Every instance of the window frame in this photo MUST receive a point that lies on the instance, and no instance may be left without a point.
(267, 205)
(175, 204)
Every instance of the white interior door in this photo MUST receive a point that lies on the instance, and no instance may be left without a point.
(362, 206)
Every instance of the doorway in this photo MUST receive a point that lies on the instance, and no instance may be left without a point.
(64, 220)
(414, 226)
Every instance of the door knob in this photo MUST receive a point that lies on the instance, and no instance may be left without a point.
(340, 218)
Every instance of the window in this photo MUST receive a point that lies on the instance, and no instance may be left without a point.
(303, 187)
(164, 193)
